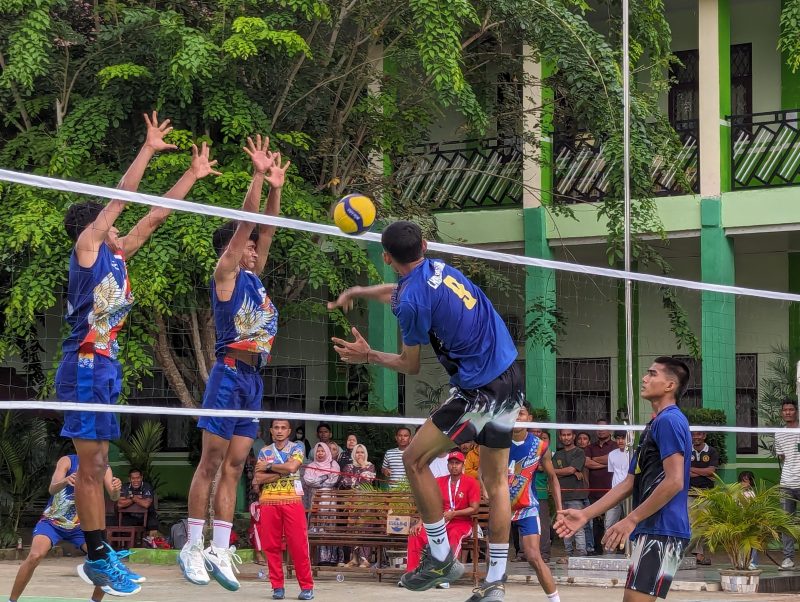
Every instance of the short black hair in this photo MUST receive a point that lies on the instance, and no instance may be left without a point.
(274, 420)
(79, 216)
(403, 241)
(679, 370)
(618, 434)
(402, 428)
(527, 407)
(746, 474)
(135, 470)
(789, 402)
(324, 425)
(223, 235)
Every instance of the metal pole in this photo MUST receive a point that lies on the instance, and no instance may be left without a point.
(626, 156)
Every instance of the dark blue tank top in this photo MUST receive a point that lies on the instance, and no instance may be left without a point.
(248, 321)
(98, 301)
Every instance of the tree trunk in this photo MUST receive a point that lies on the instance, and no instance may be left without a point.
(165, 358)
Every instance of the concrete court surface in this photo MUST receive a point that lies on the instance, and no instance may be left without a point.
(56, 581)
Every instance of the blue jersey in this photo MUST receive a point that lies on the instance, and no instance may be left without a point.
(98, 301)
(437, 304)
(665, 435)
(248, 320)
(60, 509)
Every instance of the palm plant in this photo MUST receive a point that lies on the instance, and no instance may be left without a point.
(726, 518)
(779, 383)
(28, 453)
(142, 448)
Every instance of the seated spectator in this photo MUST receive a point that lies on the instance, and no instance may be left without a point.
(472, 462)
(346, 457)
(336, 452)
(462, 498)
(361, 471)
(323, 473)
(300, 435)
(137, 495)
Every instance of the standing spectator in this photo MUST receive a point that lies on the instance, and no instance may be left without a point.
(281, 512)
(569, 462)
(599, 477)
(472, 463)
(336, 452)
(705, 460)
(324, 433)
(583, 440)
(346, 457)
(787, 448)
(323, 473)
(393, 468)
(618, 464)
(137, 494)
(439, 466)
(361, 471)
(300, 435)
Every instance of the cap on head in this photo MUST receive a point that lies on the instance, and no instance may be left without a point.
(455, 455)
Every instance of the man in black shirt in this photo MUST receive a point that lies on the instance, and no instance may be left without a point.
(569, 463)
(705, 460)
(139, 495)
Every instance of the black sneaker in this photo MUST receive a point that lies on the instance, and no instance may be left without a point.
(489, 591)
(432, 572)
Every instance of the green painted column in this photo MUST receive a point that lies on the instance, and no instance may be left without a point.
(794, 309)
(790, 82)
(382, 336)
(540, 298)
(718, 322)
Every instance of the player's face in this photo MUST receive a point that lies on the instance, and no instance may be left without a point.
(455, 467)
(403, 438)
(524, 416)
(789, 413)
(280, 431)
(250, 256)
(656, 383)
(567, 437)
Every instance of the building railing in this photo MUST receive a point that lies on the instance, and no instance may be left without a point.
(467, 174)
(582, 175)
(765, 149)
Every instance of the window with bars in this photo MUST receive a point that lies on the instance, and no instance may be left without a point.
(284, 388)
(155, 391)
(746, 396)
(583, 390)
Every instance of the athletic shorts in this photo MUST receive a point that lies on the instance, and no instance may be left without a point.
(89, 378)
(485, 415)
(529, 525)
(56, 534)
(654, 562)
(232, 385)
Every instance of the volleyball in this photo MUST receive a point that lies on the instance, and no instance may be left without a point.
(354, 213)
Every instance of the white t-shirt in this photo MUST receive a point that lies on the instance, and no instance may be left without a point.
(439, 467)
(788, 445)
(618, 463)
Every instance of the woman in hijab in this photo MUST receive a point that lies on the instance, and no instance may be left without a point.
(322, 473)
(359, 472)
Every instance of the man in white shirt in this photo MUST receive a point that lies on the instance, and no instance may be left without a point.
(787, 448)
(393, 468)
(618, 464)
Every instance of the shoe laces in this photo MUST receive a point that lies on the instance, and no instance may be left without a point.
(228, 557)
(196, 560)
(115, 572)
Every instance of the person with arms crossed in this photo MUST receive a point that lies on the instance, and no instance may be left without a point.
(246, 323)
(528, 454)
(658, 479)
(436, 304)
(569, 464)
(60, 522)
(99, 298)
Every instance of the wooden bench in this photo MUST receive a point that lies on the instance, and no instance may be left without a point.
(351, 518)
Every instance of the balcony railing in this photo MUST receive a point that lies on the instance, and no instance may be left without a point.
(765, 149)
(581, 171)
(468, 174)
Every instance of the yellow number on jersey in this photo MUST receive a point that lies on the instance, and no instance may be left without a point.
(463, 294)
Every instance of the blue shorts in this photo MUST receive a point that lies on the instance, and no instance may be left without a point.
(232, 385)
(56, 534)
(529, 526)
(89, 378)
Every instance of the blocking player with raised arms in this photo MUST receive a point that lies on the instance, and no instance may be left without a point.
(658, 479)
(246, 323)
(436, 304)
(99, 298)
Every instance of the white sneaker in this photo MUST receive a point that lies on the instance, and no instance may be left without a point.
(444, 585)
(221, 563)
(193, 564)
(787, 564)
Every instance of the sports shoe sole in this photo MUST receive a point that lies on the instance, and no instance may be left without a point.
(456, 572)
(106, 588)
(186, 575)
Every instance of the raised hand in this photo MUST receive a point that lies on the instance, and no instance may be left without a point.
(276, 176)
(258, 152)
(344, 301)
(201, 166)
(156, 133)
(116, 484)
(356, 352)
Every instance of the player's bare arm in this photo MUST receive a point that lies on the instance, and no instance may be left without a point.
(359, 352)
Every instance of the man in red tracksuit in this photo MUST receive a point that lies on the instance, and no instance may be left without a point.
(282, 509)
(461, 495)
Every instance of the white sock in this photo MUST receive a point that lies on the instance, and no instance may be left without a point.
(498, 556)
(222, 534)
(196, 526)
(437, 539)
(554, 597)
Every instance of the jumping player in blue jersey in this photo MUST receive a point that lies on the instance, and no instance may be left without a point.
(246, 323)
(99, 298)
(436, 304)
(658, 479)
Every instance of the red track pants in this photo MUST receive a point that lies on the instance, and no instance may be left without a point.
(416, 543)
(291, 520)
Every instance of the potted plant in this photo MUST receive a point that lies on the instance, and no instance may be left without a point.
(727, 518)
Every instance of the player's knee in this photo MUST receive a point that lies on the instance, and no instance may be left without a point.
(232, 469)
(34, 558)
(93, 469)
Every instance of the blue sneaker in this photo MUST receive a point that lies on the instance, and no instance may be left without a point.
(117, 557)
(278, 593)
(306, 594)
(108, 576)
